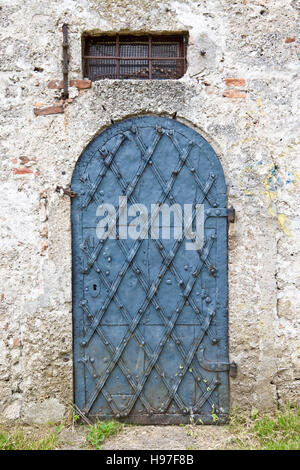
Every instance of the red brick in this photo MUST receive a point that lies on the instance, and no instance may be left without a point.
(22, 171)
(6, 326)
(81, 84)
(289, 40)
(55, 109)
(16, 342)
(44, 246)
(2, 296)
(235, 81)
(234, 94)
(56, 85)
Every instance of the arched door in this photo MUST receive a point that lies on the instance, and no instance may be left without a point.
(149, 303)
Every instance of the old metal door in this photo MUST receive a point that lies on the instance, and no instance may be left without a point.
(150, 317)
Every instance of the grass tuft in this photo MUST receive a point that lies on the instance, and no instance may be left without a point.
(280, 431)
(102, 430)
(19, 439)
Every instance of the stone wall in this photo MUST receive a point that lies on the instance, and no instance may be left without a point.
(240, 94)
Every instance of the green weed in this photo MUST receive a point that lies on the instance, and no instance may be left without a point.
(102, 430)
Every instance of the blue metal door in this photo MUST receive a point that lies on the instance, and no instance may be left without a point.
(150, 316)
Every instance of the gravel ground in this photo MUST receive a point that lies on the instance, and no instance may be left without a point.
(155, 438)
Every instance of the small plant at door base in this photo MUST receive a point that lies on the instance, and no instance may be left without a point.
(214, 416)
(102, 430)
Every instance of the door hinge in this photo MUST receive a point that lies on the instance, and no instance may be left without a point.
(216, 366)
(221, 212)
(68, 192)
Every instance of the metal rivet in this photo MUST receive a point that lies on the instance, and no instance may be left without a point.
(208, 300)
(218, 212)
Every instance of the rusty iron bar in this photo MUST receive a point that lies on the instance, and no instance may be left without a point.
(65, 61)
(231, 214)
(143, 58)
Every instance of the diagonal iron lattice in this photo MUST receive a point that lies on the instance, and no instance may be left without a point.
(150, 289)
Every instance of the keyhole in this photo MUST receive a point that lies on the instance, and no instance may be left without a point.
(95, 286)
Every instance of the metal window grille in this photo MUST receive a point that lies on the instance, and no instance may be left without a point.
(134, 57)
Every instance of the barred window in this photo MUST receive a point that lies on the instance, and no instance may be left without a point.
(134, 57)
